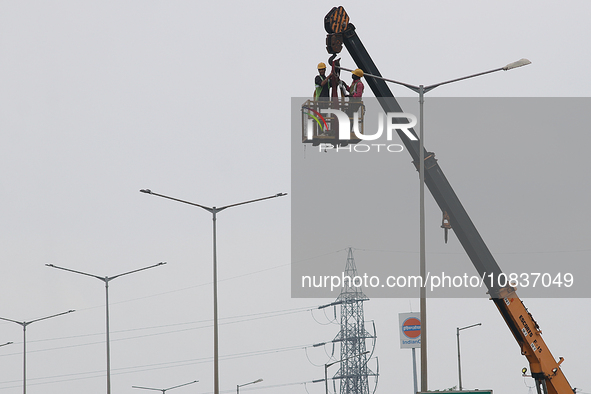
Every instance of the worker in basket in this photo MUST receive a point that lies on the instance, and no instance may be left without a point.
(355, 91)
(322, 84)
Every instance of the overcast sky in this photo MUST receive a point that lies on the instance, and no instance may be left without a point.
(192, 99)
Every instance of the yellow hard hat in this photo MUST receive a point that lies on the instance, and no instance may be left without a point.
(321, 66)
(358, 72)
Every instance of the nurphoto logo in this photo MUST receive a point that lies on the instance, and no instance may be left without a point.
(346, 129)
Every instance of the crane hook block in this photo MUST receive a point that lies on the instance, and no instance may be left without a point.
(335, 23)
(334, 43)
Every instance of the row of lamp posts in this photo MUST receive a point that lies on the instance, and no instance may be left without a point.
(107, 279)
(421, 90)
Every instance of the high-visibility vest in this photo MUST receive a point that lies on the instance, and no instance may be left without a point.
(319, 88)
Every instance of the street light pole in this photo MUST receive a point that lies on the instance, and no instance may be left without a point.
(246, 384)
(422, 248)
(164, 390)
(336, 362)
(24, 324)
(106, 280)
(213, 211)
(422, 90)
(458, 337)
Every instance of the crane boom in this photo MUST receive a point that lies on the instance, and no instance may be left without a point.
(544, 368)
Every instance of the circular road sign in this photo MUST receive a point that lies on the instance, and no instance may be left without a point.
(412, 327)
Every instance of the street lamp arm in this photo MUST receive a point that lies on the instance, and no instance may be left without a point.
(246, 384)
(180, 385)
(26, 323)
(510, 66)
(411, 87)
(14, 321)
(431, 87)
(137, 270)
(49, 317)
(210, 209)
(148, 191)
(247, 202)
(473, 325)
(145, 388)
(76, 272)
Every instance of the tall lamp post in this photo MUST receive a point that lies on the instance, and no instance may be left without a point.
(24, 324)
(458, 337)
(246, 384)
(164, 390)
(106, 279)
(336, 362)
(422, 90)
(213, 211)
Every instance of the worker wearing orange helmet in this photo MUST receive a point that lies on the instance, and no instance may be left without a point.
(322, 83)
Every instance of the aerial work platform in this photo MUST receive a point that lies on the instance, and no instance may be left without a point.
(320, 127)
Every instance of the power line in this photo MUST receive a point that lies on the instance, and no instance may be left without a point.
(157, 366)
(255, 316)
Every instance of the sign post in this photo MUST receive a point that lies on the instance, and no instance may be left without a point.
(410, 338)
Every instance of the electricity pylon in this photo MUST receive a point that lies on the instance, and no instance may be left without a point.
(353, 372)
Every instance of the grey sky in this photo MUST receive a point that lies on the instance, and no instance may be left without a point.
(191, 99)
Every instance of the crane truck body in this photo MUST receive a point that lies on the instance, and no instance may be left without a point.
(543, 366)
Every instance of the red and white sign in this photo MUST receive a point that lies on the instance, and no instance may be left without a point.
(410, 330)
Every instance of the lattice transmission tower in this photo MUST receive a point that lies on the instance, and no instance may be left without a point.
(354, 371)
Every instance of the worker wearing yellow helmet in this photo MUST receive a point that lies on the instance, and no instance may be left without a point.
(356, 88)
(354, 92)
(322, 83)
